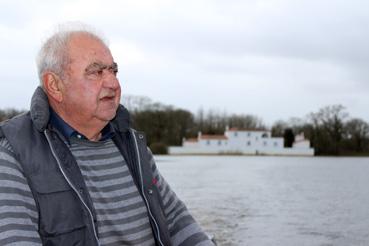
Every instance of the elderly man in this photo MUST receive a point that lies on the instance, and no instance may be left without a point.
(72, 171)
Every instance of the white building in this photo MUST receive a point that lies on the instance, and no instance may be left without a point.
(235, 141)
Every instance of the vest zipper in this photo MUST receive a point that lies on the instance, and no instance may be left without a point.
(142, 187)
(72, 186)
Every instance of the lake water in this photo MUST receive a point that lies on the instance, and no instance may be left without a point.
(277, 201)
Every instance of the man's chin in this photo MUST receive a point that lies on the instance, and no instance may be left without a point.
(107, 115)
(110, 116)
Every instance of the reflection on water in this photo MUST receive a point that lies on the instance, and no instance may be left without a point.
(285, 201)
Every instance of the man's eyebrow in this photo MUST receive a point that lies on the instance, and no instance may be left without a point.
(95, 65)
(102, 65)
(114, 65)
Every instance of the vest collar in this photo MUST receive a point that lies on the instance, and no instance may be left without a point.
(40, 112)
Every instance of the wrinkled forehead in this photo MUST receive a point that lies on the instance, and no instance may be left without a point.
(86, 49)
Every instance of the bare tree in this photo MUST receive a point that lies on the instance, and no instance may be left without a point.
(357, 132)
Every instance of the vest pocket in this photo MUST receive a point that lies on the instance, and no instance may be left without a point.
(75, 238)
(60, 210)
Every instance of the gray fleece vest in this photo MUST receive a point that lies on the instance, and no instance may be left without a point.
(66, 214)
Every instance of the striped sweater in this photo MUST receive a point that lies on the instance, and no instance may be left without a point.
(121, 213)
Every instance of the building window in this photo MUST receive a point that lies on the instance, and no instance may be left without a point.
(256, 138)
(219, 142)
(208, 142)
(235, 134)
(265, 143)
(248, 143)
(275, 144)
(265, 135)
(249, 134)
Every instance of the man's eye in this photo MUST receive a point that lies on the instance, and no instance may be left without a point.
(113, 70)
(95, 72)
(99, 72)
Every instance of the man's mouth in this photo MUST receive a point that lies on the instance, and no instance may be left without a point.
(108, 97)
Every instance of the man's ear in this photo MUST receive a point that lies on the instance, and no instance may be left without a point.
(53, 86)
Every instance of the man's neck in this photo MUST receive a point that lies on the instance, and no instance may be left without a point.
(91, 132)
(95, 138)
(91, 129)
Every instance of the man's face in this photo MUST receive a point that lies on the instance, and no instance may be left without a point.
(91, 88)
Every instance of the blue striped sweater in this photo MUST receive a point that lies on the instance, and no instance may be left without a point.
(121, 213)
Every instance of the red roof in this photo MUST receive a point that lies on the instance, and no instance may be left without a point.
(235, 129)
(215, 137)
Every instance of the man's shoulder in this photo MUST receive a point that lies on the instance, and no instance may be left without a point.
(5, 145)
(8, 158)
(12, 126)
(15, 121)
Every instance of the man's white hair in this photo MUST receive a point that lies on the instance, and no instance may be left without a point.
(53, 55)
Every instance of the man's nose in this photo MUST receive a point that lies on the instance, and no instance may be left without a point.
(110, 80)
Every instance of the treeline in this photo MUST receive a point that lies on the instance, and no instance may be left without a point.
(331, 131)
(167, 126)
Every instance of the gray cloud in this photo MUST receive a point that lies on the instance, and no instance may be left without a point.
(276, 59)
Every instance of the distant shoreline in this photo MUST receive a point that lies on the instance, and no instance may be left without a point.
(260, 155)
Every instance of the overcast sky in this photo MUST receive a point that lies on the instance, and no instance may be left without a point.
(272, 58)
